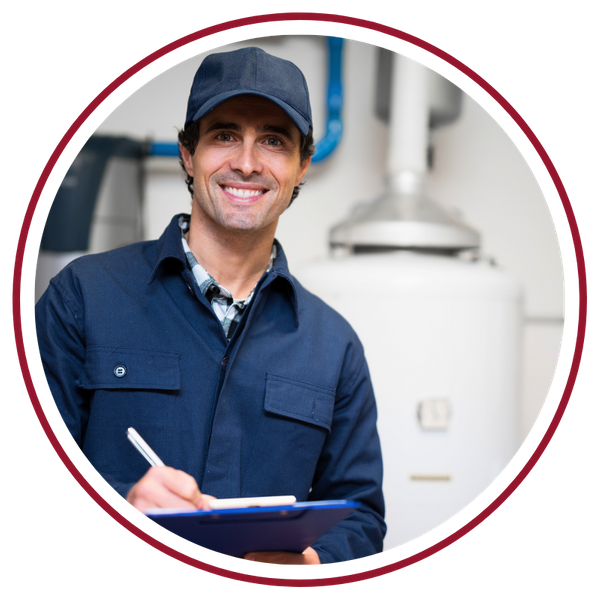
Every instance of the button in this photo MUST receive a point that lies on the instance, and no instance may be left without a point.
(224, 363)
(120, 371)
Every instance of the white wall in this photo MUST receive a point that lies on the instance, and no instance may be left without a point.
(477, 170)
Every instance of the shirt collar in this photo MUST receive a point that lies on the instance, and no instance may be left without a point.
(203, 278)
(170, 249)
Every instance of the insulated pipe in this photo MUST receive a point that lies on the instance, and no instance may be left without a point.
(334, 101)
(409, 126)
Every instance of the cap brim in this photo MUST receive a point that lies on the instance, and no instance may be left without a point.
(301, 122)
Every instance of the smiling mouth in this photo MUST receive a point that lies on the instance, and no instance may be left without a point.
(242, 193)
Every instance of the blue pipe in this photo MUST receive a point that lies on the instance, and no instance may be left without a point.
(164, 149)
(333, 133)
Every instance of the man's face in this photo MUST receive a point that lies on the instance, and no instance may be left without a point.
(246, 164)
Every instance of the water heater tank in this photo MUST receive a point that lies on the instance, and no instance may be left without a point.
(442, 337)
(98, 206)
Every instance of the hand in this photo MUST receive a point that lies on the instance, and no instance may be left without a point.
(308, 557)
(165, 487)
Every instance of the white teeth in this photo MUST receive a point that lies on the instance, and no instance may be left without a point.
(240, 193)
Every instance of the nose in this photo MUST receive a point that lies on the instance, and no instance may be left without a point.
(246, 159)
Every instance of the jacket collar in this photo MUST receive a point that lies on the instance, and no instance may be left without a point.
(170, 249)
(280, 269)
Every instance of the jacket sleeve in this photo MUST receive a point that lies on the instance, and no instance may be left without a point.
(59, 318)
(350, 467)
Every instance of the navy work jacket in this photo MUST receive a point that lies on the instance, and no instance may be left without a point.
(284, 407)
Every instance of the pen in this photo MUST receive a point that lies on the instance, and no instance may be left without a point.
(140, 445)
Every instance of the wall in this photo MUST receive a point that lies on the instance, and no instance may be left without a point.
(477, 170)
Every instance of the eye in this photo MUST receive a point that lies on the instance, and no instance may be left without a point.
(273, 141)
(224, 137)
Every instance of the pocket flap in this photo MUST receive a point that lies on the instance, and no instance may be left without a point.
(118, 368)
(299, 400)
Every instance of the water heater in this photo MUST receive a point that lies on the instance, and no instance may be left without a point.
(98, 206)
(441, 327)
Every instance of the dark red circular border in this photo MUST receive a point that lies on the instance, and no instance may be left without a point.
(366, 26)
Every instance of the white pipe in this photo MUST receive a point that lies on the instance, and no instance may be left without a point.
(409, 125)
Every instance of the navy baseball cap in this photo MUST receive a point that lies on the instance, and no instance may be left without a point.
(224, 75)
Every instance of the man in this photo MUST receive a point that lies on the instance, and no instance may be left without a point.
(240, 380)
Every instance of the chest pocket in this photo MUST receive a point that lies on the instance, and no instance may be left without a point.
(123, 368)
(289, 439)
(299, 401)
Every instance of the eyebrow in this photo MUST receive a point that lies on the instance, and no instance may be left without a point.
(218, 125)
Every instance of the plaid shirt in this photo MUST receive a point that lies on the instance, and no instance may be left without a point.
(229, 311)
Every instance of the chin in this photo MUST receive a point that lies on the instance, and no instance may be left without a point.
(241, 225)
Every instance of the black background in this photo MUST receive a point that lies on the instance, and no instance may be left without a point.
(544, 536)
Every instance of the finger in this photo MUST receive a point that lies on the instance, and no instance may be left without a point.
(164, 487)
(150, 492)
(179, 483)
(184, 486)
(204, 502)
(280, 558)
(308, 557)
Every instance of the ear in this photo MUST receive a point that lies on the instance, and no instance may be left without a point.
(186, 156)
(302, 171)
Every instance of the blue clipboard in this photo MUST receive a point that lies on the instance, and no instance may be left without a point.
(235, 531)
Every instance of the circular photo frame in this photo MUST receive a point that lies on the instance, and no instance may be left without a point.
(505, 115)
